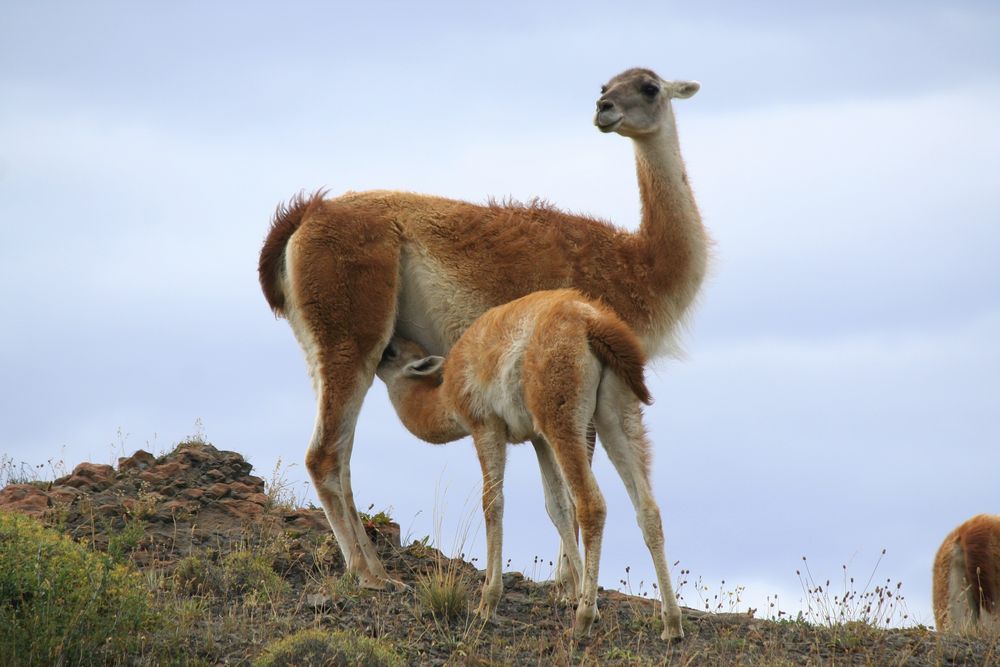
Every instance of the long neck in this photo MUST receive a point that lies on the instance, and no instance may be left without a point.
(671, 233)
(422, 409)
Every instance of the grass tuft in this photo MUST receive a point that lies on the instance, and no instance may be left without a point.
(876, 605)
(321, 648)
(245, 572)
(444, 592)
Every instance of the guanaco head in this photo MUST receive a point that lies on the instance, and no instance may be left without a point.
(406, 359)
(413, 379)
(635, 102)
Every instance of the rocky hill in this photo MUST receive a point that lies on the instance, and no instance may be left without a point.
(232, 569)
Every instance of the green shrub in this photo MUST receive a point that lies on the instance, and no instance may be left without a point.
(61, 603)
(322, 648)
(123, 543)
(196, 575)
(244, 572)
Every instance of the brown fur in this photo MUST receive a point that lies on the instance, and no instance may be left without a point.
(348, 271)
(429, 419)
(287, 218)
(967, 577)
(617, 347)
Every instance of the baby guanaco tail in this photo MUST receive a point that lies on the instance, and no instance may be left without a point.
(618, 348)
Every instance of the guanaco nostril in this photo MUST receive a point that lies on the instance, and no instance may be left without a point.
(605, 105)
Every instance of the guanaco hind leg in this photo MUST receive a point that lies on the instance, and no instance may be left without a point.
(619, 425)
(341, 303)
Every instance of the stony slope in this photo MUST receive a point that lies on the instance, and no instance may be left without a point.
(183, 516)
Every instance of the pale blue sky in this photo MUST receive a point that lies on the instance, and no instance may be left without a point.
(841, 391)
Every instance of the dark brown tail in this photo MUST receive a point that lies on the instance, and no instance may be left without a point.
(287, 218)
(618, 348)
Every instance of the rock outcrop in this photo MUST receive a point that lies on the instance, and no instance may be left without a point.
(194, 495)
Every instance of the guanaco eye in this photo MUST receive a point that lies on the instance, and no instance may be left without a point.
(649, 89)
(604, 89)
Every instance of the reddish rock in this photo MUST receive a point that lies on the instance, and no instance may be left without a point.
(217, 490)
(304, 519)
(172, 489)
(252, 480)
(94, 471)
(64, 494)
(195, 452)
(193, 495)
(259, 498)
(138, 461)
(178, 507)
(240, 490)
(162, 473)
(90, 476)
(172, 468)
(241, 509)
(24, 498)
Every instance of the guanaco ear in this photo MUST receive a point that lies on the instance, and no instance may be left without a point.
(423, 367)
(683, 89)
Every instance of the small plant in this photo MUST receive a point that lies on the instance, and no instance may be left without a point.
(322, 648)
(374, 520)
(876, 606)
(444, 592)
(123, 543)
(774, 611)
(326, 558)
(280, 491)
(344, 586)
(118, 448)
(61, 603)
(421, 547)
(244, 572)
(144, 504)
(722, 600)
(196, 575)
(621, 655)
(198, 437)
(13, 472)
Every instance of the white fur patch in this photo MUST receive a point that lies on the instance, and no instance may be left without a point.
(503, 394)
(303, 334)
(434, 309)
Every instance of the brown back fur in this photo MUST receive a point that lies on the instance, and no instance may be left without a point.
(980, 541)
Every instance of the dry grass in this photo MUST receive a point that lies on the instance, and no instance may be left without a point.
(231, 597)
(876, 605)
(445, 593)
